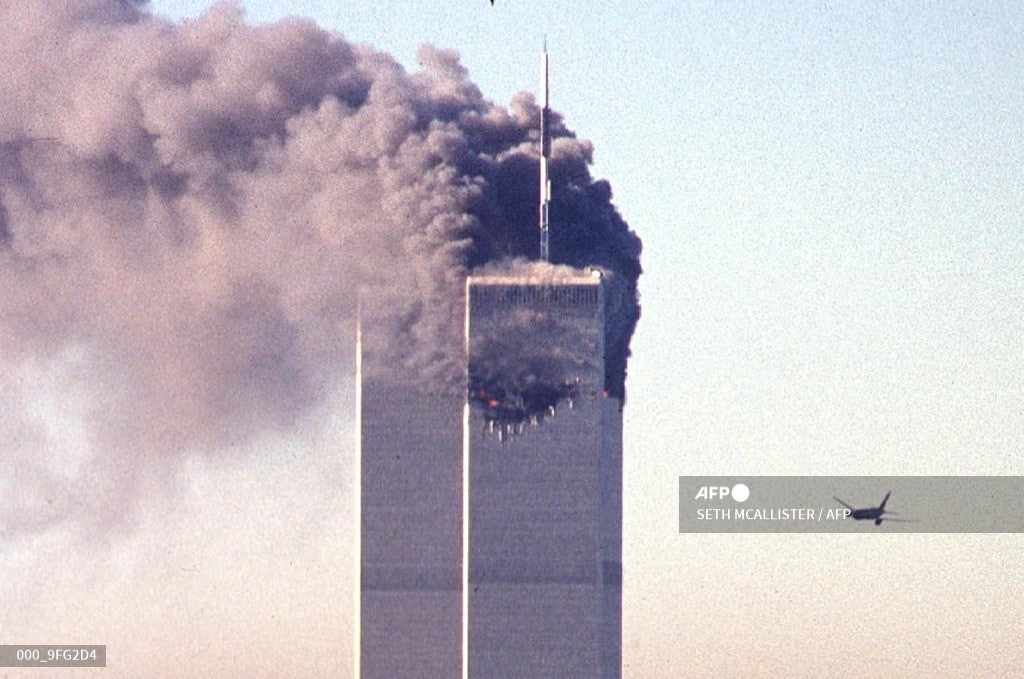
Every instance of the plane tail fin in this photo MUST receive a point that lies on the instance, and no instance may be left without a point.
(886, 499)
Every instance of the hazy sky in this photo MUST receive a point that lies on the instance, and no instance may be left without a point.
(830, 198)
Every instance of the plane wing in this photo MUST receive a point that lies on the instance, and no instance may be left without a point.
(852, 509)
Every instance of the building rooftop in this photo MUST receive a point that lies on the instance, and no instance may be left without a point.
(554, 277)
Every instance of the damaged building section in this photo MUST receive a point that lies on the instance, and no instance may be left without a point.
(535, 345)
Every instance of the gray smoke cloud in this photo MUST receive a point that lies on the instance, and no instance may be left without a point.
(189, 211)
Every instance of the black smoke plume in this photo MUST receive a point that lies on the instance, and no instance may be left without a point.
(188, 211)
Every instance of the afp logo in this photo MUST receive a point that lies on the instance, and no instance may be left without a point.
(740, 492)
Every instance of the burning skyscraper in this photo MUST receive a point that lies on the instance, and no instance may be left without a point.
(543, 467)
(491, 510)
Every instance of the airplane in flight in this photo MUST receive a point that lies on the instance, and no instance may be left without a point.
(872, 513)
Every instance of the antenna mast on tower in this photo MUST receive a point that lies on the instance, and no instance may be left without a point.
(545, 153)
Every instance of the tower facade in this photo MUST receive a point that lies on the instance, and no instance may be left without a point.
(490, 540)
(543, 468)
(409, 537)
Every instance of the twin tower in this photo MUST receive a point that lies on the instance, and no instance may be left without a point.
(490, 514)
